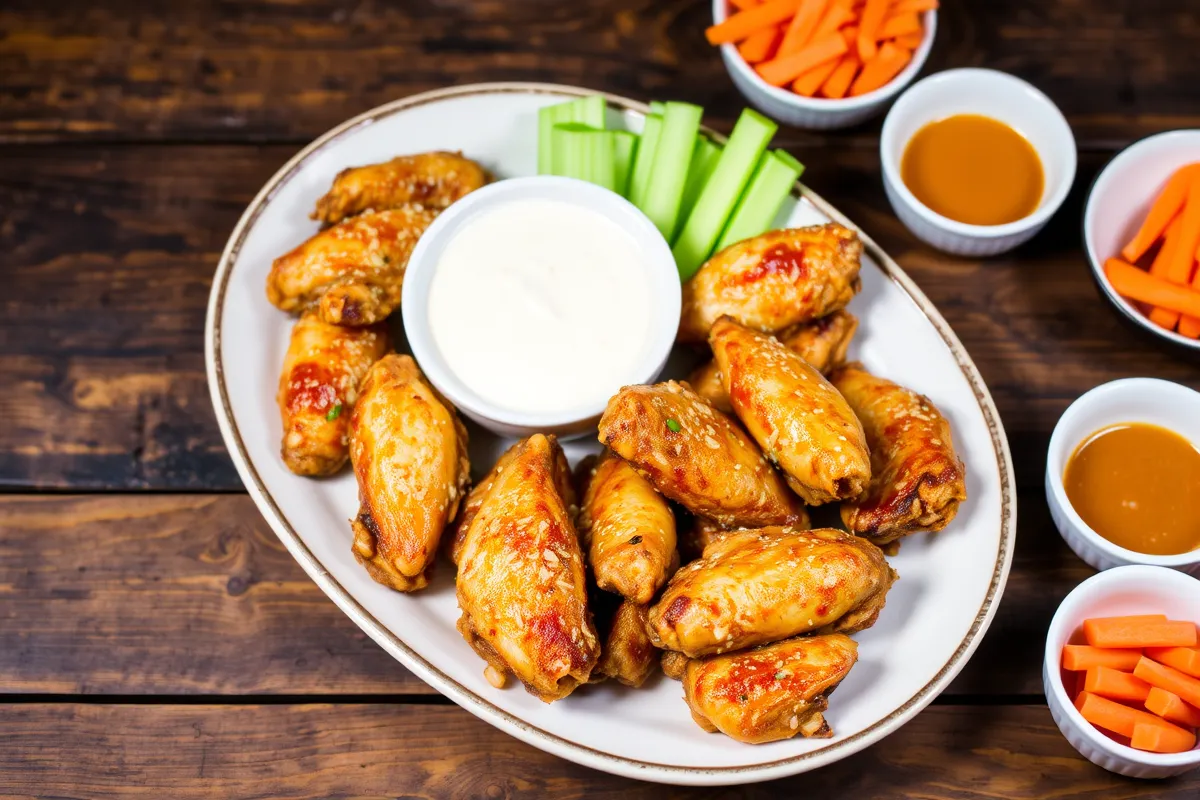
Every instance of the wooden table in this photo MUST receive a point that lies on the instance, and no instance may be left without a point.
(155, 637)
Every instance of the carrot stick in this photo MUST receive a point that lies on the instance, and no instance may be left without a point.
(1129, 281)
(1161, 737)
(781, 70)
(904, 6)
(1189, 327)
(1158, 268)
(880, 69)
(742, 24)
(1183, 257)
(1138, 631)
(742, 5)
(804, 24)
(838, 14)
(1115, 685)
(843, 74)
(760, 45)
(898, 25)
(1080, 657)
(911, 40)
(808, 83)
(1164, 208)
(1171, 707)
(1184, 659)
(868, 26)
(1169, 678)
(1110, 715)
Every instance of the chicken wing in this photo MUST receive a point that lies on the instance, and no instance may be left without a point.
(698, 535)
(627, 529)
(521, 582)
(697, 456)
(775, 280)
(753, 587)
(822, 343)
(353, 271)
(322, 370)
(434, 180)
(794, 413)
(627, 655)
(772, 692)
(917, 480)
(409, 451)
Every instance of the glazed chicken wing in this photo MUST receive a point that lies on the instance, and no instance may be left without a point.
(409, 451)
(628, 530)
(697, 536)
(521, 582)
(434, 180)
(697, 456)
(769, 693)
(822, 343)
(917, 480)
(753, 587)
(773, 281)
(794, 413)
(353, 271)
(322, 370)
(627, 655)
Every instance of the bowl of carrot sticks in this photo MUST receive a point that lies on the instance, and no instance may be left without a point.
(822, 63)
(1142, 231)
(1122, 670)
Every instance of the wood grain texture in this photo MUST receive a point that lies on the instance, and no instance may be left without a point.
(264, 70)
(295, 751)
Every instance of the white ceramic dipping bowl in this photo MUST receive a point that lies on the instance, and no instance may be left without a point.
(991, 94)
(1149, 400)
(662, 280)
(818, 113)
(1118, 203)
(1125, 590)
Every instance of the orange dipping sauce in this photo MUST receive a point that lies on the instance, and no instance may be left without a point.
(1138, 486)
(973, 169)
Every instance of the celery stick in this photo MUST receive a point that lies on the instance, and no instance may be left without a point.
(704, 161)
(600, 147)
(624, 148)
(717, 200)
(639, 181)
(571, 157)
(772, 183)
(657, 108)
(587, 110)
(681, 122)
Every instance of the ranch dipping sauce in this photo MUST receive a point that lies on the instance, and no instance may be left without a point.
(541, 306)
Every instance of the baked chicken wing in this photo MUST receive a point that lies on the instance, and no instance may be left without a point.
(794, 413)
(409, 451)
(917, 480)
(773, 281)
(769, 693)
(697, 535)
(753, 587)
(353, 271)
(822, 343)
(434, 180)
(322, 370)
(627, 528)
(521, 581)
(697, 456)
(628, 655)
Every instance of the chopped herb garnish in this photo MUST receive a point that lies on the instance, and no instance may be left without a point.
(743, 698)
(674, 426)
(387, 259)
(636, 540)
(334, 412)
(780, 675)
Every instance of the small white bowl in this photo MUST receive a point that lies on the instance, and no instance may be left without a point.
(1158, 402)
(992, 94)
(664, 287)
(819, 113)
(1118, 203)
(1125, 590)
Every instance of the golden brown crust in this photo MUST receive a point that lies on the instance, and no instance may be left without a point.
(674, 664)
(628, 654)
(409, 451)
(799, 419)
(773, 281)
(769, 693)
(434, 180)
(918, 481)
(753, 587)
(318, 387)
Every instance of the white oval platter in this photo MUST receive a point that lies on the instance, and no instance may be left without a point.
(950, 583)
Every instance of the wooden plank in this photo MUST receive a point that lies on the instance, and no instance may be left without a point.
(264, 70)
(193, 594)
(301, 751)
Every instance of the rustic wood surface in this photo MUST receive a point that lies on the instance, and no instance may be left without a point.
(156, 638)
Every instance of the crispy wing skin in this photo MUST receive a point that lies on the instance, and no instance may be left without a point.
(434, 180)
(822, 343)
(917, 479)
(409, 451)
(773, 281)
(627, 655)
(628, 530)
(318, 387)
(521, 582)
(674, 664)
(769, 693)
(708, 465)
(353, 271)
(753, 587)
(802, 423)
